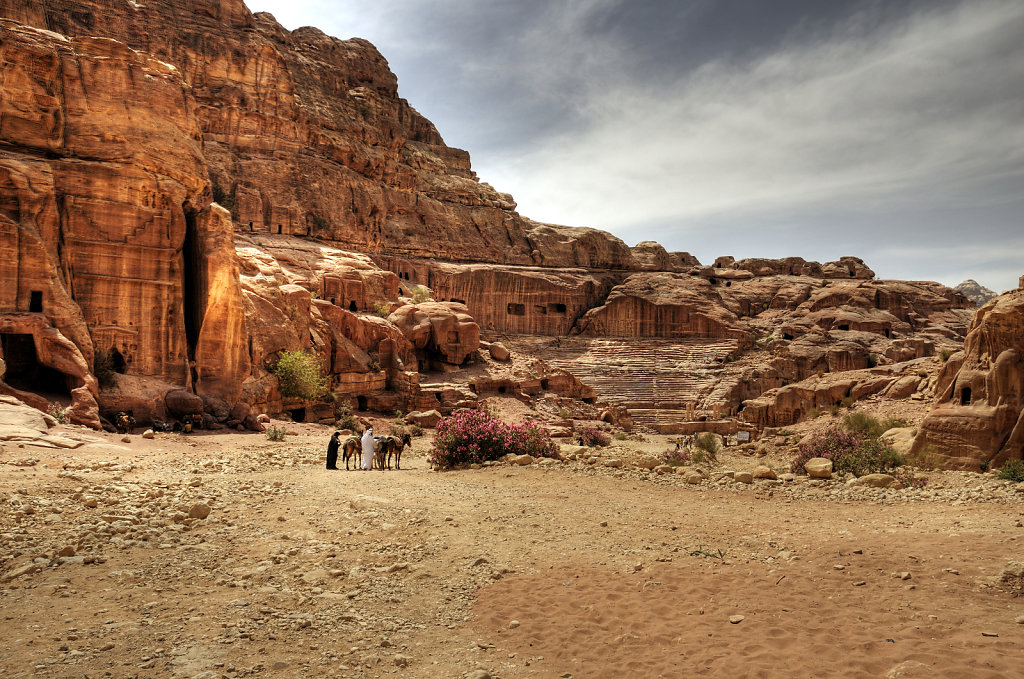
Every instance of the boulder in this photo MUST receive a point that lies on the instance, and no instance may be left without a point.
(875, 481)
(743, 477)
(499, 352)
(818, 468)
(428, 418)
(764, 472)
(522, 460)
(180, 403)
(648, 462)
(901, 439)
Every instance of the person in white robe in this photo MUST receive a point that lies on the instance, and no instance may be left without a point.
(367, 441)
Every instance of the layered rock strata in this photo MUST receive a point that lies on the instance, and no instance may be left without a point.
(978, 417)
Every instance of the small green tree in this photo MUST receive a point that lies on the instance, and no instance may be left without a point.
(300, 375)
(420, 294)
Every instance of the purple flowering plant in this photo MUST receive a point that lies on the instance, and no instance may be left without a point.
(850, 453)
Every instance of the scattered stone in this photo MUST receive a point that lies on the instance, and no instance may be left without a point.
(149, 434)
(613, 462)
(126, 439)
(989, 634)
(818, 468)
(736, 619)
(648, 462)
(875, 481)
(67, 550)
(479, 674)
(764, 472)
(693, 478)
(523, 460)
(743, 477)
(513, 624)
(199, 510)
(401, 660)
(499, 352)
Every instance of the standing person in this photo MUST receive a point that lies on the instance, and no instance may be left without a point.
(332, 451)
(367, 449)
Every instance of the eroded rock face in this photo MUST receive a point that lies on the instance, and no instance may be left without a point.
(104, 201)
(979, 411)
(442, 330)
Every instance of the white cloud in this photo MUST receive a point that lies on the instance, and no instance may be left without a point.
(925, 108)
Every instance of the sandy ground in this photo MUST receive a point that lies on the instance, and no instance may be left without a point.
(504, 571)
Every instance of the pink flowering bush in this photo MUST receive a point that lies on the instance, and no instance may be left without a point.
(850, 453)
(677, 457)
(592, 436)
(473, 436)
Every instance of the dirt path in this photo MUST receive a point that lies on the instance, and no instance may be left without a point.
(538, 571)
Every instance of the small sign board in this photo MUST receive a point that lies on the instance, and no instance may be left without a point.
(742, 436)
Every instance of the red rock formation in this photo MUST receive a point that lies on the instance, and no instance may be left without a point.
(115, 140)
(662, 305)
(979, 412)
(442, 330)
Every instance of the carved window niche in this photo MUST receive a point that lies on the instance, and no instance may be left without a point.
(557, 308)
(540, 309)
(515, 309)
(35, 302)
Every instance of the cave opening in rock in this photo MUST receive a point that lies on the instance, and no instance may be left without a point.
(787, 336)
(965, 396)
(502, 390)
(35, 302)
(844, 326)
(117, 362)
(298, 414)
(26, 373)
(192, 259)
(557, 308)
(544, 384)
(361, 403)
(279, 228)
(352, 306)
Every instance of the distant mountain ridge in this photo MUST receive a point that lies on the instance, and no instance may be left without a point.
(975, 291)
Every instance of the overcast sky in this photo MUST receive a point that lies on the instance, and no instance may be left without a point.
(889, 130)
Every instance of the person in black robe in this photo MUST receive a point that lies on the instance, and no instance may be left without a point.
(332, 451)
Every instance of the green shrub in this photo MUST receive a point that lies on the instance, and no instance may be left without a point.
(944, 355)
(620, 436)
(1013, 470)
(420, 294)
(872, 360)
(867, 426)
(708, 443)
(275, 434)
(814, 413)
(847, 401)
(300, 375)
(382, 309)
(564, 413)
(58, 412)
(415, 430)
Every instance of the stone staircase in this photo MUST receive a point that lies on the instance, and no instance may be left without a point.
(652, 378)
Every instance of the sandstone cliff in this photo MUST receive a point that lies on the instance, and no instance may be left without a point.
(979, 412)
(187, 190)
